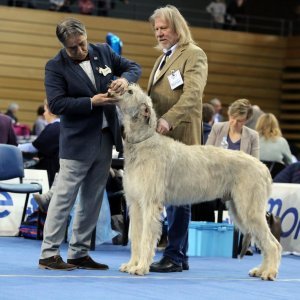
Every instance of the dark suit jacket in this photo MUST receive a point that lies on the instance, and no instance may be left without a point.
(69, 90)
(47, 144)
(7, 134)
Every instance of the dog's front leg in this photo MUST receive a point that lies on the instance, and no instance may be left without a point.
(150, 234)
(135, 231)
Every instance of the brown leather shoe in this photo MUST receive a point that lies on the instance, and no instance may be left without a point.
(55, 263)
(86, 262)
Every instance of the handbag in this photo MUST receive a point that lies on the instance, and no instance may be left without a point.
(274, 223)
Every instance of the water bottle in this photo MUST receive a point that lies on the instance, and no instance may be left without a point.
(224, 143)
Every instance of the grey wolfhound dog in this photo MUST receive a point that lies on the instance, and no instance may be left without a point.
(159, 170)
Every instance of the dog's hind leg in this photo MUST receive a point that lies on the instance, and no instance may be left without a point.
(135, 231)
(249, 212)
(270, 249)
(150, 234)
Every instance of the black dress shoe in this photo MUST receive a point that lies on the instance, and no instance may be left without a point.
(185, 266)
(165, 265)
(55, 263)
(86, 262)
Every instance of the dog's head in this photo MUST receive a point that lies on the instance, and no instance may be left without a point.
(134, 103)
(137, 109)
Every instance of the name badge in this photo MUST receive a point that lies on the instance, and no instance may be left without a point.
(175, 79)
(105, 71)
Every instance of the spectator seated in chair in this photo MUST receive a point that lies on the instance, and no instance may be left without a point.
(273, 146)
(238, 137)
(8, 135)
(46, 146)
(40, 122)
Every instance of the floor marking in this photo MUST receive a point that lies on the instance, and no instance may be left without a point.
(143, 277)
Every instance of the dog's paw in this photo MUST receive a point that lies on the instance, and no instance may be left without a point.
(268, 275)
(255, 272)
(137, 270)
(125, 267)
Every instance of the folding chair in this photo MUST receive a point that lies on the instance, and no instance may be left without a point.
(11, 166)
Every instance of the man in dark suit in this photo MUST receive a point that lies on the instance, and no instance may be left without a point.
(176, 87)
(7, 134)
(76, 82)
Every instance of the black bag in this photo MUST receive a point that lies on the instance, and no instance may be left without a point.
(274, 223)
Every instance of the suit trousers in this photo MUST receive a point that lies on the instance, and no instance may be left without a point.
(88, 177)
(178, 225)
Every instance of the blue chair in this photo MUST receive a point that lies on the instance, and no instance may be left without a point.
(11, 166)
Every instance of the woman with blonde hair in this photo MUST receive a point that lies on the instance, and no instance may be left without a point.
(273, 147)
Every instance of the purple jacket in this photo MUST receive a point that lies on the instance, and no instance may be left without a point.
(7, 134)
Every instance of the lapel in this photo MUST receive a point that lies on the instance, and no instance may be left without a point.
(151, 78)
(95, 63)
(177, 53)
(224, 131)
(244, 140)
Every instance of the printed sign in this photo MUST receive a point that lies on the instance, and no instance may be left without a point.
(11, 205)
(285, 203)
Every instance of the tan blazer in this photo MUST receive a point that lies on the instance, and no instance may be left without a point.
(249, 139)
(181, 107)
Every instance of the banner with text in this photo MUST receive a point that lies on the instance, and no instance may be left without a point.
(11, 205)
(285, 203)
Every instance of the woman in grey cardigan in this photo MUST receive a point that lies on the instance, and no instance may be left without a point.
(234, 131)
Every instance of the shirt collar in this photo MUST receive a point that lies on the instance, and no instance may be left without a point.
(172, 49)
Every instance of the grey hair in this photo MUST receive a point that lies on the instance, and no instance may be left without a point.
(69, 27)
(215, 101)
(176, 21)
(13, 107)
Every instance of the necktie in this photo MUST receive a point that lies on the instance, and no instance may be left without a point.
(165, 59)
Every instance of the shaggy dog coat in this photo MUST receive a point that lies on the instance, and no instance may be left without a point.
(160, 171)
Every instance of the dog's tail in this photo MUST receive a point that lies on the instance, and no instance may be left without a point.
(246, 244)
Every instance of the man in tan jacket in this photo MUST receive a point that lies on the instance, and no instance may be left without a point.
(176, 87)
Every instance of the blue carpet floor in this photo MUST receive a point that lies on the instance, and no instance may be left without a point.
(208, 278)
